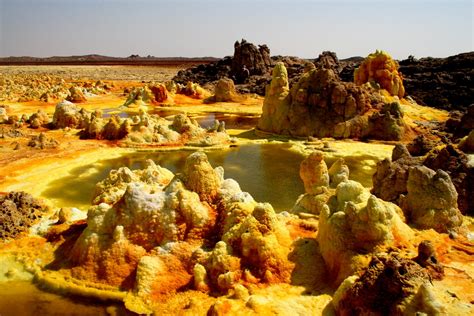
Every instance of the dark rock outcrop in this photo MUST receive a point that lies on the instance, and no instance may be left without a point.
(18, 211)
(257, 62)
(249, 60)
(460, 123)
(421, 145)
(446, 83)
(382, 289)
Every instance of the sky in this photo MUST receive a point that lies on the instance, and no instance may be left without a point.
(197, 28)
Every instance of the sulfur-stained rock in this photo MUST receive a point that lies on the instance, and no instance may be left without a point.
(387, 287)
(194, 90)
(221, 268)
(3, 114)
(380, 68)
(354, 223)
(38, 119)
(41, 141)
(311, 203)
(76, 95)
(255, 246)
(277, 101)
(152, 129)
(160, 92)
(338, 172)
(183, 123)
(431, 201)
(200, 177)
(139, 97)
(156, 232)
(18, 212)
(47, 97)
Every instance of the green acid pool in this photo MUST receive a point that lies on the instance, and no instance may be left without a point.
(269, 172)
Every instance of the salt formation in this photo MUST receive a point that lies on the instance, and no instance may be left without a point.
(316, 179)
(314, 173)
(321, 105)
(158, 224)
(354, 223)
(112, 188)
(67, 114)
(149, 94)
(140, 129)
(76, 95)
(431, 201)
(391, 178)
(380, 68)
(277, 101)
(224, 92)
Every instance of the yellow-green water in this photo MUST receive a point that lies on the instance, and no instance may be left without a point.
(22, 298)
(269, 172)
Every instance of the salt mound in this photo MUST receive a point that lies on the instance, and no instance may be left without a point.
(322, 105)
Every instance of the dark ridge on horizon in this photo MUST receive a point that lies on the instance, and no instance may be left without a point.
(95, 59)
(134, 59)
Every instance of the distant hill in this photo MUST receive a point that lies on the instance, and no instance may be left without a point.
(94, 59)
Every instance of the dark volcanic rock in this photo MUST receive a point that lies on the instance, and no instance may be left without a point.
(257, 62)
(446, 83)
(421, 145)
(382, 289)
(460, 124)
(249, 60)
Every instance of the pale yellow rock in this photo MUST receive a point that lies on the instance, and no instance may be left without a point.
(277, 100)
(314, 173)
(354, 223)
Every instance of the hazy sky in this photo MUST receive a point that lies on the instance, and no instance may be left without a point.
(210, 27)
